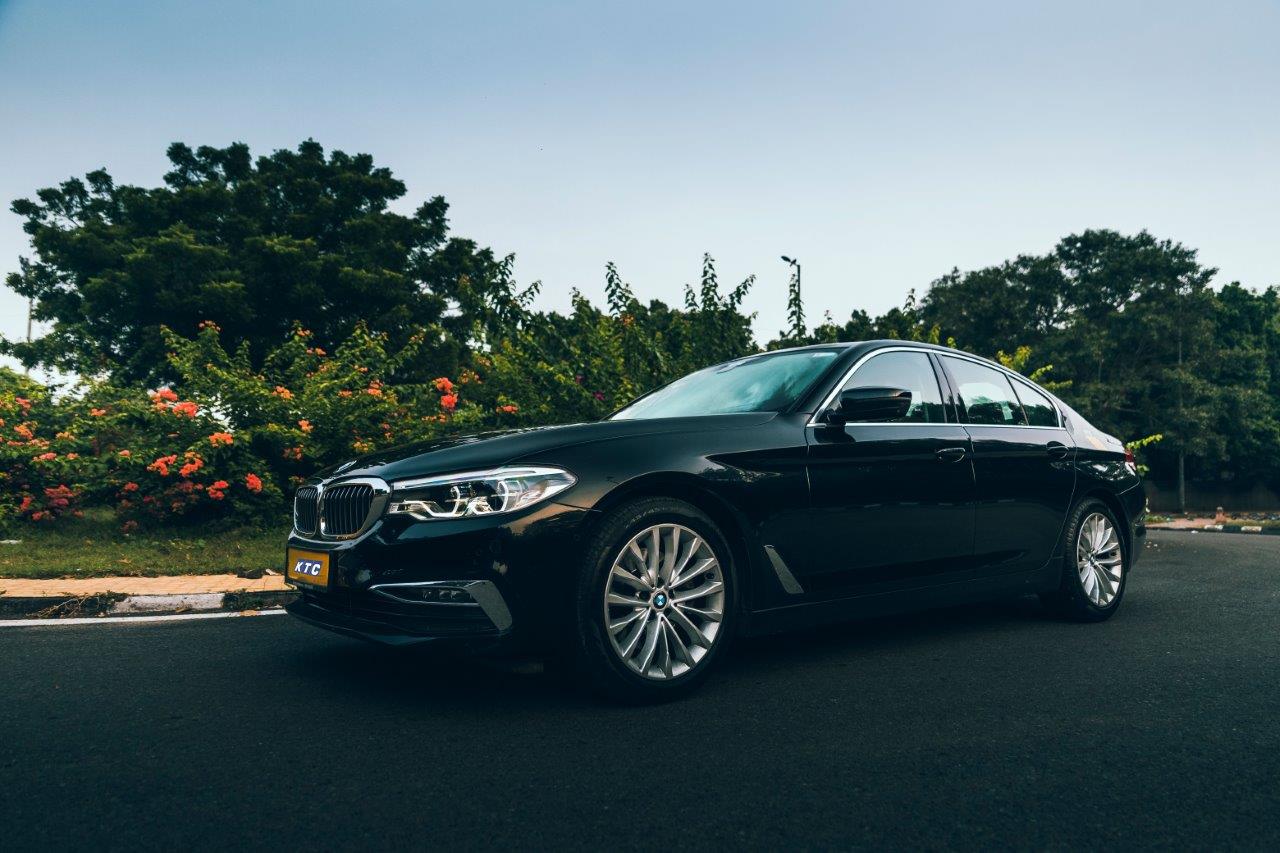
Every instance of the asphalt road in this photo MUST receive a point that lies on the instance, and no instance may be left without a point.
(967, 728)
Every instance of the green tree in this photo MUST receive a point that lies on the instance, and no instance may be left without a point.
(252, 245)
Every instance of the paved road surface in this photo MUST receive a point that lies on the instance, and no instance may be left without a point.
(961, 728)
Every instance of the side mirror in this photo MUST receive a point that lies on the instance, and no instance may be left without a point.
(869, 405)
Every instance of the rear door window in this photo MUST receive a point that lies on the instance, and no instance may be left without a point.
(1039, 408)
(985, 393)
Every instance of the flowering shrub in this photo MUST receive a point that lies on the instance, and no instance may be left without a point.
(42, 469)
(150, 457)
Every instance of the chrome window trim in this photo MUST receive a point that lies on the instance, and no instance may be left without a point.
(381, 494)
(848, 374)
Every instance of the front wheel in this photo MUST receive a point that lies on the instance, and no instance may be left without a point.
(656, 599)
(1095, 565)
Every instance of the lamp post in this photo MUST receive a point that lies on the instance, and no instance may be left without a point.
(795, 307)
(795, 264)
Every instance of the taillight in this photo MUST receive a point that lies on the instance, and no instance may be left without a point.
(1129, 458)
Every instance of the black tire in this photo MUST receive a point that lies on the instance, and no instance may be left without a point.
(594, 655)
(1070, 600)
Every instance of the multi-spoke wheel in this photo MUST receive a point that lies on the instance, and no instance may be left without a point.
(664, 601)
(655, 599)
(1099, 559)
(1093, 577)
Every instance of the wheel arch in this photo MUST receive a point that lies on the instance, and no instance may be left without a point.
(1114, 504)
(692, 490)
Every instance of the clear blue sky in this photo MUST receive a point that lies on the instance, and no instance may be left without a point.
(880, 143)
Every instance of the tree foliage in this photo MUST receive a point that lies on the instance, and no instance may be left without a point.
(251, 245)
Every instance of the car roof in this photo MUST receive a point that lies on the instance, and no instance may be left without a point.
(880, 343)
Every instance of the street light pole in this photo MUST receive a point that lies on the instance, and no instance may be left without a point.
(795, 306)
(795, 264)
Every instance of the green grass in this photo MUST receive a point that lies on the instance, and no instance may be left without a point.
(95, 547)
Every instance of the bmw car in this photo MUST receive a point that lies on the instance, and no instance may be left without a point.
(775, 491)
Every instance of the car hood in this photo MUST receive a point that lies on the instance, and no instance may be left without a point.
(487, 450)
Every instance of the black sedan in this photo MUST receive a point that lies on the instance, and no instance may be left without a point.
(777, 490)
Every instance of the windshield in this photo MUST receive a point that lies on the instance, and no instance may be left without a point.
(763, 383)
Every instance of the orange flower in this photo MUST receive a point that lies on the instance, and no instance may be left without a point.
(444, 385)
(126, 454)
(253, 483)
(294, 453)
(220, 438)
(344, 393)
(164, 395)
(374, 391)
(217, 490)
(186, 408)
(191, 467)
(97, 413)
(449, 402)
(23, 402)
(161, 465)
(208, 324)
(24, 431)
(283, 393)
(73, 456)
(304, 425)
(129, 487)
(45, 457)
(59, 497)
(509, 409)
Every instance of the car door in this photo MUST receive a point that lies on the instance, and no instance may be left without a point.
(1022, 460)
(892, 503)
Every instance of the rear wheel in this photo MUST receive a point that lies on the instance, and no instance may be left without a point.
(656, 599)
(1095, 565)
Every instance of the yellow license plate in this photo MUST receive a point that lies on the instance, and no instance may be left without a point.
(309, 567)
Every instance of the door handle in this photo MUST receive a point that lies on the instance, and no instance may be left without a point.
(1057, 450)
(951, 454)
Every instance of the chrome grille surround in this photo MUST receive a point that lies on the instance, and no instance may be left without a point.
(344, 508)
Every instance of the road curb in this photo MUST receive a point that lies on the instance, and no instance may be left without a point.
(115, 604)
(1250, 529)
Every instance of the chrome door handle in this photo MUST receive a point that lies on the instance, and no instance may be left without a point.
(951, 454)
(1057, 450)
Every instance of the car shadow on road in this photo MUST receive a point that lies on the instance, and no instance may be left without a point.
(422, 677)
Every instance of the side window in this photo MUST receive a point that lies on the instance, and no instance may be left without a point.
(909, 370)
(985, 393)
(1039, 408)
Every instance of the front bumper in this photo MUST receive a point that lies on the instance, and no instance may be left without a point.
(479, 583)
(405, 614)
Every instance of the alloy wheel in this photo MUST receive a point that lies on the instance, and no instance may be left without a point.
(1099, 559)
(664, 601)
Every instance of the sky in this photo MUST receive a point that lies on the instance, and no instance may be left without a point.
(881, 144)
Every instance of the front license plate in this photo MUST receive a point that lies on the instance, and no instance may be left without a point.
(309, 567)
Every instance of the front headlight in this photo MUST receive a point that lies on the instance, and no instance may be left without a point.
(505, 489)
